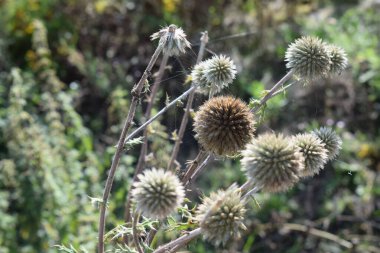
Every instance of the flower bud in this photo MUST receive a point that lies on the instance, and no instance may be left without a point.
(272, 162)
(157, 193)
(221, 216)
(338, 58)
(313, 151)
(332, 141)
(309, 58)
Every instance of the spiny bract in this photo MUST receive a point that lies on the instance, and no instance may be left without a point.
(224, 125)
(332, 141)
(272, 162)
(157, 193)
(221, 216)
(313, 151)
(309, 58)
(173, 39)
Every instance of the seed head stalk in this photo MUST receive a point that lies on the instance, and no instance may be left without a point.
(144, 146)
(185, 118)
(136, 92)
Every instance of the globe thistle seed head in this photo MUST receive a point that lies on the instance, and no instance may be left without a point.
(221, 216)
(338, 58)
(313, 151)
(309, 58)
(173, 39)
(332, 141)
(272, 162)
(157, 193)
(219, 71)
(224, 125)
(198, 77)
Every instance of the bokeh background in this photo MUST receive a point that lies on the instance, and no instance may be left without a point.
(66, 72)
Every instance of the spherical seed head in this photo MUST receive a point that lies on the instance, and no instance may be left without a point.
(332, 141)
(221, 216)
(173, 39)
(224, 125)
(272, 162)
(157, 193)
(309, 58)
(338, 58)
(220, 71)
(198, 77)
(313, 151)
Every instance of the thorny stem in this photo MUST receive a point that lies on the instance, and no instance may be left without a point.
(136, 92)
(272, 91)
(181, 241)
(135, 233)
(144, 146)
(185, 117)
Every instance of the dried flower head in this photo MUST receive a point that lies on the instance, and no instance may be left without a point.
(214, 74)
(173, 40)
(221, 216)
(309, 58)
(332, 141)
(313, 151)
(338, 58)
(224, 125)
(157, 193)
(272, 162)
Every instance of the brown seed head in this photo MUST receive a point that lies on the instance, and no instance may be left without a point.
(224, 125)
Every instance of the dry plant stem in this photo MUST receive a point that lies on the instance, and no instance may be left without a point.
(272, 91)
(189, 104)
(179, 242)
(199, 169)
(135, 233)
(282, 89)
(162, 111)
(319, 233)
(144, 146)
(136, 91)
(193, 165)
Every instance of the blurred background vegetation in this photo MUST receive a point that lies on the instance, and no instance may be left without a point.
(66, 71)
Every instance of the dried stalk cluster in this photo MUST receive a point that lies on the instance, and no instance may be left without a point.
(225, 126)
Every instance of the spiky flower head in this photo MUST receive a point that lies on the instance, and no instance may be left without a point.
(332, 141)
(224, 125)
(313, 151)
(214, 74)
(272, 162)
(309, 58)
(157, 193)
(221, 216)
(173, 39)
(338, 58)
(220, 70)
(198, 77)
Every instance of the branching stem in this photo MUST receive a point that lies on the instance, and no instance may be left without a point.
(189, 104)
(144, 146)
(179, 242)
(136, 92)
